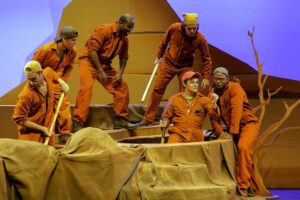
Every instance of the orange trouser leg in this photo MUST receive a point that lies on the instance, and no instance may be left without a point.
(164, 76)
(88, 75)
(120, 93)
(51, 141)
(31, 137)
(37, 138)
(64, 120)
(175, 138)
(244, 162)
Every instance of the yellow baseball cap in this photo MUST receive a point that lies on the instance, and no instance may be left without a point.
(190, 18)
(32, 67)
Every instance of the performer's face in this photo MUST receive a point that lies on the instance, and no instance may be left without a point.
(190, 30)
(69, 43)
(127, 27)
(219, 80)
(191, 85)
(35, 79)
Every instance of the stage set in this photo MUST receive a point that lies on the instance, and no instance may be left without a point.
(252, 39)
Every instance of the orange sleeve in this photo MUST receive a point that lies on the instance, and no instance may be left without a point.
(124, 49)
(69, 68)
(205, 57)
(96, 41)
(40, 55)
(214, 115)
(164, 42)
(22, 109)
(51, 74)
(236, 108)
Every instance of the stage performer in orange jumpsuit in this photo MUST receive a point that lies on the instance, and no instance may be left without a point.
(95, 59)
(34, 110)
(187, 110)
(236, 113)
(177, 49)
(59, 55)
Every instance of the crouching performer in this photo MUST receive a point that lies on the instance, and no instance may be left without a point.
(187, 110)
(237, 115)
(34, 110)
(59, 55)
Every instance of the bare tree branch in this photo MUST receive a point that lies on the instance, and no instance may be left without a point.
(276, 125)
(280, 132)
(266, 102)
(265, 79)
(261, 83)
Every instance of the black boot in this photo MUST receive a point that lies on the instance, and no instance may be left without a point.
(120, 122)
(144, 123)
(76, 126)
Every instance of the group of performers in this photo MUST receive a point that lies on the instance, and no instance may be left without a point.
(48, 72)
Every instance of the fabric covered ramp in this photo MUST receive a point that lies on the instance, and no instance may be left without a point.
(194, 171)
(93, 166)
(90, 166)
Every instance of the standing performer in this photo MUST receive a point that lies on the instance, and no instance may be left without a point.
(187, 110)
(34, 110)
(177, 48)
(95, 59)
(59, 55)
(241, 123)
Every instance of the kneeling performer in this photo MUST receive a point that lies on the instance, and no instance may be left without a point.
(187, 110)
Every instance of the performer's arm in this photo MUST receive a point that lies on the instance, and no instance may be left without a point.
(94, 45)
(33, 125)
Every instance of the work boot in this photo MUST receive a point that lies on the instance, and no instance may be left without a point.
(120, 122)
(144, 123)
(242, 191)
(76, 126)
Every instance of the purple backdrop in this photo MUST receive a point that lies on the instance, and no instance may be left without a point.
(25, 25)
(225, 25)
(29, 24)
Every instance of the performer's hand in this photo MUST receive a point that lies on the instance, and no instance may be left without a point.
(214, 98)
(117, 79)
(64, 86)
(225, 135)
(46, 132)
(204, 84)
(157, 61)
(163, 123)
(102, 76)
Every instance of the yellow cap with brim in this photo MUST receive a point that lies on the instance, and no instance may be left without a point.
(190, 18)
(32, 67)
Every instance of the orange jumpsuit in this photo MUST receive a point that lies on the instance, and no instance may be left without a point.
(237, 115)
(104, 42)
(48, 56)
(33, 106)
(177, 51)
(188, 119)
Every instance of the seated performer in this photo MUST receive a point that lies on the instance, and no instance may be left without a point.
(34, 110)
(187, 110)
(107, 41)
(236, 113)
(59, 55)
(177, 48)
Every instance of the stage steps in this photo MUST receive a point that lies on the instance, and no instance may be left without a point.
(123, 134)
(193, 171)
